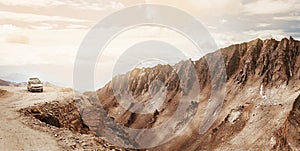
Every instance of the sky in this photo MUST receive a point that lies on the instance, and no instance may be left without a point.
(41, 38)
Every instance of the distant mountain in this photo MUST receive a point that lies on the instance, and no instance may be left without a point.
(5, 83)
(260, 110)
(23, 84)
(9, 83)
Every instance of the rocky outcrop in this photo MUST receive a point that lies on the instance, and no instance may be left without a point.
(273, 62)
(61, 114)
(62, 119)
(261, 74)
(3, 92)
(288, 136)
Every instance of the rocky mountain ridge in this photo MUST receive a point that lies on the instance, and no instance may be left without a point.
(261, 86)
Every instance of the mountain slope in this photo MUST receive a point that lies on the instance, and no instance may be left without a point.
(260, 109)
(5, 83)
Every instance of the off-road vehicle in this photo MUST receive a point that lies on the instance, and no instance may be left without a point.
(34, 84)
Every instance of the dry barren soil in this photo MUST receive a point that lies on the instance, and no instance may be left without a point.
(14, 135)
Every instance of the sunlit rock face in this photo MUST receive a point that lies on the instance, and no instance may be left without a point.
(260, 110)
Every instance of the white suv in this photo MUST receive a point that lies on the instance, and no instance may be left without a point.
(34, 84)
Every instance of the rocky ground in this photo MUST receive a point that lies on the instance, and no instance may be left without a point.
(44, 121)
(14, 134)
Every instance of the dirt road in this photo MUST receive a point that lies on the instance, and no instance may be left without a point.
(16, 136)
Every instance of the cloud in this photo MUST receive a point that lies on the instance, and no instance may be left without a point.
(262, 24)
(295, 26)
(287, 18)
(12, 34)
(79, 4)
(42, 22)
(8, 27)
(204, 7)
(265, 7)
(265, 34)
(28, 17)
(76, 26)
(227, 38)
(98, 5)
(53, 26)
(56, 14)
(31, 2)
(211, 27)
(44, 26)
(19, 39)
(223, 21)
(224, 39)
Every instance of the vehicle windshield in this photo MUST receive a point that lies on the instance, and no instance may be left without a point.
(35, 81)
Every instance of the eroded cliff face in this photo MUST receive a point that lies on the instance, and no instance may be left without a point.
(273, 62)
(61, 114)
(260, 109)
(62, 119)
(288, 136)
